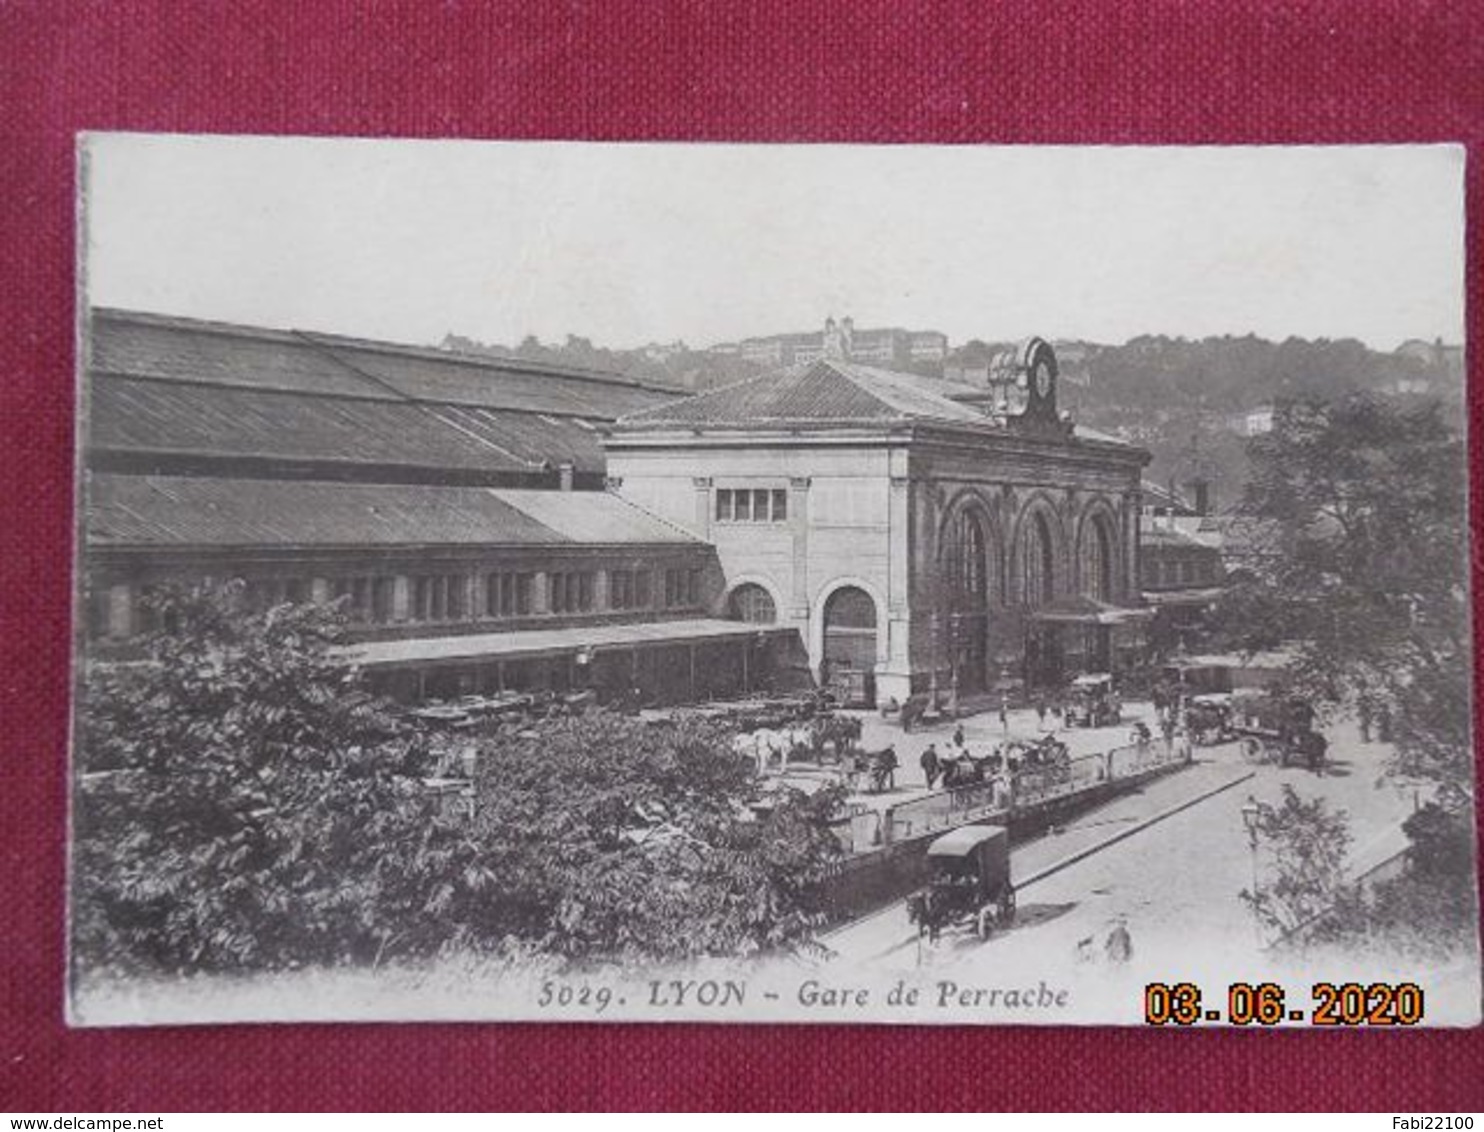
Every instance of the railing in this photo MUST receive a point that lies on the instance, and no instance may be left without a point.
(1154, 754)
(1002, 799)
(946, 809)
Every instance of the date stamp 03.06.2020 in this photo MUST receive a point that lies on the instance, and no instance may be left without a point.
(1268, 1004)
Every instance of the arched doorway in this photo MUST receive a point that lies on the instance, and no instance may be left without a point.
(1043, 654)
(968, 580)
(849, 663)
(750, 602)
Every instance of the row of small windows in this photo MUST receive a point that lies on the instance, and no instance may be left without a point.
(370, 599)
(751, 505)
(569, 591)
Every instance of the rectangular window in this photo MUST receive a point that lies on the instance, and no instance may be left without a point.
(751, 505)
(525, 589)
(682, 587)
(381, 599)
(641, 589)
(357, 596)
(760, 505)
(571, 591)
(502, 595)
(439, 597)
(620, 589)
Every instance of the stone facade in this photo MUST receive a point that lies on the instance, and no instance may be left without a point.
(955, 529)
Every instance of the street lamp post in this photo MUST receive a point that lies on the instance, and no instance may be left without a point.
(1251, 820)
(933, 662)
(953, 653)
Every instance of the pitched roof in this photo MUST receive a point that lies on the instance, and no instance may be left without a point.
(828, 390)
(172, 386)
(155, 511)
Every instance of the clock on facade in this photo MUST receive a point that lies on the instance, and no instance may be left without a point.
(1043, 380)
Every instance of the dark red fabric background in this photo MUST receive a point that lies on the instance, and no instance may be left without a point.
(1077, 71)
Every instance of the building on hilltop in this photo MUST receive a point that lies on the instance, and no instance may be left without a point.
(889, 347)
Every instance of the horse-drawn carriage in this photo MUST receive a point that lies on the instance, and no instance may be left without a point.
(1092, 701)
(873, 771)
(1209, 719)
(968, 882)
(1281, 729)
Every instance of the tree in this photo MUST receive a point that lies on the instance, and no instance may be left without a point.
(599, 836)
(1360, 509)
(1308, 843)
(236, 794)
(243, 804)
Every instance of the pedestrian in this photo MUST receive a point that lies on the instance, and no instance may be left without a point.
(930, 765)
(1005, 713)
(1363, 712)
(1041, 712)
(1167, 726)
(958, 736)
(1120, 945)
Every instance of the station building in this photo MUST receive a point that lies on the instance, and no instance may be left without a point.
(457, 506)
(499, 524)
(918, 534)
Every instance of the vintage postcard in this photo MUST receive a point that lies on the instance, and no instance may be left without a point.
(757, 583)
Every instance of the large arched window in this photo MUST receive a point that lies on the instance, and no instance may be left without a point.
(750, 602)
(966, 563)
(1037, 570)
(1095, 559)
(969, 581)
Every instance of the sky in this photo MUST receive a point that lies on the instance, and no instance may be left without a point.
(629, 244)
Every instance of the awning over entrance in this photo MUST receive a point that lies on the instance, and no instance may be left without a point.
(478, 647)
(1088, 611)
(1183, 597)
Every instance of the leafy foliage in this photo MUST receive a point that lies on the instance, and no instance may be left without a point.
(1306, 843)
(599, 836)
(234, 794)
(243, 804)
(1359, 511)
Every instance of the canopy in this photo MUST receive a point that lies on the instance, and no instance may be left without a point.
(1089, 611)
(515, 644)
(966, 839)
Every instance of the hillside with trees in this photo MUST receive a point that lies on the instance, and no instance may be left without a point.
(1178, 397)
(672, 363)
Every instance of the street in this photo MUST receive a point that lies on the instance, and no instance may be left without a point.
(1168, 863)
